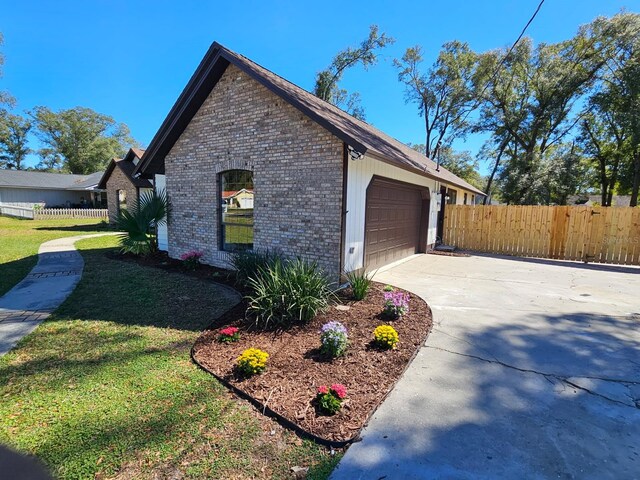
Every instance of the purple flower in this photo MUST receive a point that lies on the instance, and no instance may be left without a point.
(334, 327)
(396, 303)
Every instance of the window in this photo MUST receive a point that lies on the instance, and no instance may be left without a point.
(453, 195)
(465, 198)
(236, 202)
(122, 200)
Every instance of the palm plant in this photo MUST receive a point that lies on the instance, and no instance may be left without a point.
(140, 224)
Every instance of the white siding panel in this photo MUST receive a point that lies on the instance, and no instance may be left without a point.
(360, 173)
(28, 197)
(163, 235)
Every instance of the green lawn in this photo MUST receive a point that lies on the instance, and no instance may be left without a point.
(106, 387)
(20, 239)
(238, 226)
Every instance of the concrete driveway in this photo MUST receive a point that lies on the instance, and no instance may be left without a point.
(532, 371)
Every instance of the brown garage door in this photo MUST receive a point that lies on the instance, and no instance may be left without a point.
(393, 222)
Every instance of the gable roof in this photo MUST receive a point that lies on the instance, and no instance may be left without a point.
(127, 167)
(356, 133)
(233, 193)
(48, 180)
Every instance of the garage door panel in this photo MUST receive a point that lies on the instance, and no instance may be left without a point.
(392, 222)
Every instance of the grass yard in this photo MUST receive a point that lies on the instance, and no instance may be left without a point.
(238, 226)
(20, 239)
(106, 388)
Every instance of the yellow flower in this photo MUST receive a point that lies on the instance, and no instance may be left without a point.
(386, 336)
(252, 360)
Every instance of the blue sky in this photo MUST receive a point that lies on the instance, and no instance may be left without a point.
(131, 59)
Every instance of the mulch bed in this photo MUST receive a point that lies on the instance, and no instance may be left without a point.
(296, 367)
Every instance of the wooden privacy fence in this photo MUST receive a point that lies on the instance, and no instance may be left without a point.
(589, 234)
(46, 213)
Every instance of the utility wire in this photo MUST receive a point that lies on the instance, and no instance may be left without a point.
(497, 70)
(504, 59)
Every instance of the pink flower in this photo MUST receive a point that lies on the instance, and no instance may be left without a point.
(230, 331)
(322, 390)
(193, 254)
(339, 389)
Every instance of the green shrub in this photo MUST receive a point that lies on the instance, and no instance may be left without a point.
(360, 284)
(286, 292)
(249, 262)
(388, 288)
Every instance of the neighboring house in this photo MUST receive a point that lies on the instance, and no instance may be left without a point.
(25, 188)
(327, 187)
(591, 200)
(121, 187)
(238, 199)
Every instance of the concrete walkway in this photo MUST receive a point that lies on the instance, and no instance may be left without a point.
(532, 371)
(50, 282)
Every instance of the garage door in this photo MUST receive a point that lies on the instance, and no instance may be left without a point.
(393, 222)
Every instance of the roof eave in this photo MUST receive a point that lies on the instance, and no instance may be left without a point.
(425, 173)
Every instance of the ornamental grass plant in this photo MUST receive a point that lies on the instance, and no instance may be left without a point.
(287, 292)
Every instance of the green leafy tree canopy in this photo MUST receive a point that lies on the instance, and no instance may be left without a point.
(79, 139)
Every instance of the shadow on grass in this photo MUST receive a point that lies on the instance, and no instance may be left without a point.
(89, 228)
(106, 385)
(131, 294)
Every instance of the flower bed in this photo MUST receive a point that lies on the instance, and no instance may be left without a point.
(297, 367)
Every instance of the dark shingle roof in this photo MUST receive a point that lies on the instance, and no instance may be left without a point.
(47, 180)
(127, 166)
(358, 134)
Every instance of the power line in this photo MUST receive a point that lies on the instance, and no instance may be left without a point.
(504, 59)
(502, 62)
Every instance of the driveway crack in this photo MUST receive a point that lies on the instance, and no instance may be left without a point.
(560, 378)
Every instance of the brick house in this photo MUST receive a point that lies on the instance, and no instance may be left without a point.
(326, 186)
(119, 183)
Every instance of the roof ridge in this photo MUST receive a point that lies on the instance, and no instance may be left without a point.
(357, 134)
(337, 109)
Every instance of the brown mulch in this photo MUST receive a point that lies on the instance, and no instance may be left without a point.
(296, 367)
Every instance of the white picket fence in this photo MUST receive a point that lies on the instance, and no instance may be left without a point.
(45, 213)
(14, 211)
(48, 213)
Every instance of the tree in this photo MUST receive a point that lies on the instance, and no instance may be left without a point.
(6, 100)
(445, 94)
(14, 130)
(610, 127)
(461, 164)
(530, 101)
(84, 140)
(604, 139)
(326, 86)
(533, 99)
(50, 161)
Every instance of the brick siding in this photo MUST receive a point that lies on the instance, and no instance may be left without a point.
(118, 181)
(297, 174)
